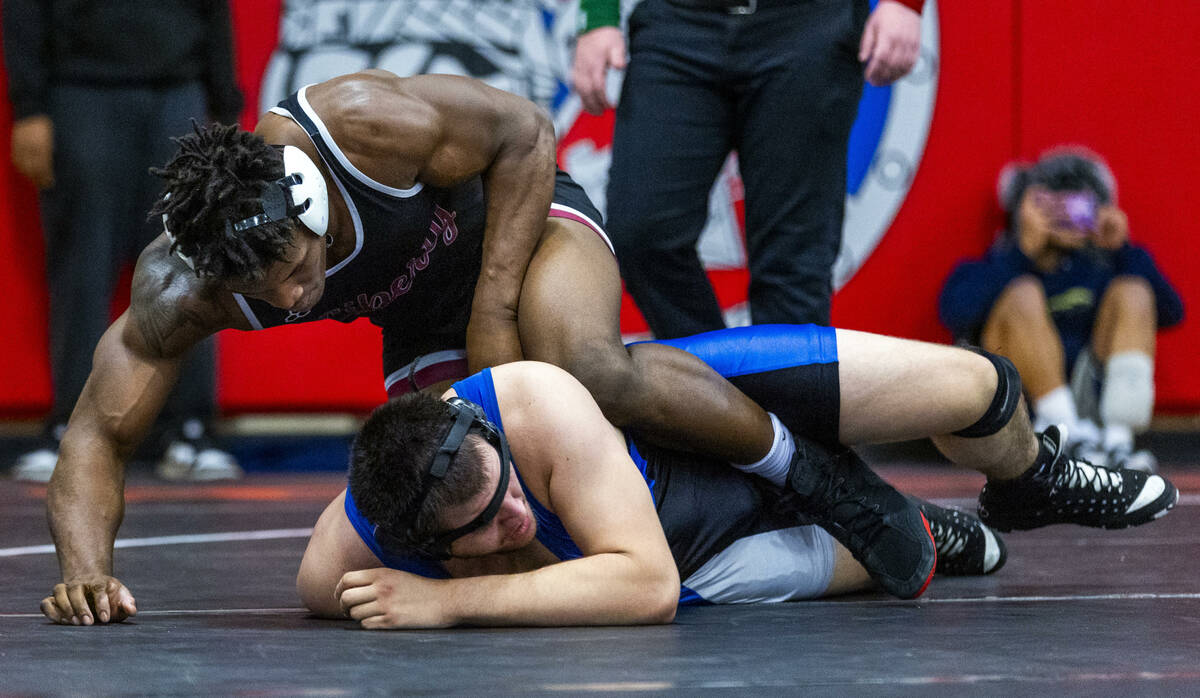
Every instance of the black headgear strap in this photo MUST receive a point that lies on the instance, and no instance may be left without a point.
(466, 415)
(276, 201)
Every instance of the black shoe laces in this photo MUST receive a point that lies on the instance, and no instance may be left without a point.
(850, 509)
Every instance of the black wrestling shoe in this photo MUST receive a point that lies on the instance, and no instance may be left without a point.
(884, 531)
(965, 547)
(1061, 489)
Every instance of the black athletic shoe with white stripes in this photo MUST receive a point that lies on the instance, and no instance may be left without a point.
(884, 531)
(1061, 489)
(965, 547)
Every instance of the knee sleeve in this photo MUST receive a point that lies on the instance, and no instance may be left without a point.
(1128, 394)
(1004, 402)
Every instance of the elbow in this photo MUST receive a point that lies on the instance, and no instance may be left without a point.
(666, 611)
(541, 137)
(662, 597)
(316, 596)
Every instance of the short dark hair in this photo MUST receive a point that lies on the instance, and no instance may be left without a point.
(217, 175)
(389, 460)
(1064, 168)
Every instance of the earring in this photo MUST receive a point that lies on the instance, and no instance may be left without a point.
(328, 240)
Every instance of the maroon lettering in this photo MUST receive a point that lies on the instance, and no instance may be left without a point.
(443, 224)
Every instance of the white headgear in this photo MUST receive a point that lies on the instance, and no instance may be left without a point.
(301, 192)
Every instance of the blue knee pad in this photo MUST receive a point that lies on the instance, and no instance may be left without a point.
(738, 351)
(1004, 402)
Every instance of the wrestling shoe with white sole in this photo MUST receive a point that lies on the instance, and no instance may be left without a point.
(1061, 489)
(884, 531)
(965, 547)
(192, 456)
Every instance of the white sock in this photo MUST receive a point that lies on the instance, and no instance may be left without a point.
(1128, 394)
(1118, 436)
(1055, 407)
(774, 466)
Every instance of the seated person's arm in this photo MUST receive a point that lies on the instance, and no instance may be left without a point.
(578, 462)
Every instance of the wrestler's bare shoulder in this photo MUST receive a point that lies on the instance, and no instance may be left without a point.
(360, 108)
(171, 307)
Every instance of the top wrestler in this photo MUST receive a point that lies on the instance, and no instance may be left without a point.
(372, 195)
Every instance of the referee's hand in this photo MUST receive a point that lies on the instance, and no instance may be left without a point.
(595, 52)
(891, 43)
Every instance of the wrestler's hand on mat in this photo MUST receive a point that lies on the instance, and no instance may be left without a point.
(86, 601)
(595, 52)
(891, 42)
(382, 598)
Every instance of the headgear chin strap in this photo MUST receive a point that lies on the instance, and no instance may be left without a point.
(301, 193)
(466, 415)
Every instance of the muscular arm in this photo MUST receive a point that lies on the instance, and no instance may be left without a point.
(133, 368)
(442, 130)
(577, 464)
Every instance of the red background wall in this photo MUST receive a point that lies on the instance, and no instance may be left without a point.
(1016, 76)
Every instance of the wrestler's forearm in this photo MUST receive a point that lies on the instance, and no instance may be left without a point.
(604, 589)
(519, 184)
(85, 504)
(119, 402)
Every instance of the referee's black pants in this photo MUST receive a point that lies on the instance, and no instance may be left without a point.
(781, 87)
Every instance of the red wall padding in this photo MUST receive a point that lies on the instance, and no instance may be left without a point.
(1016, 76)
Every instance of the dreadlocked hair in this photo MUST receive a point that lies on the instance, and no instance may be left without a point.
(217, 175)
(388, 463)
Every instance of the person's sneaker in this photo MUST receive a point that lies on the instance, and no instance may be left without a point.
(884, 531)
(192, 457)
(965, 546)
(1090, 451)
(1126, 457)
(1061, 489)
(36, 465)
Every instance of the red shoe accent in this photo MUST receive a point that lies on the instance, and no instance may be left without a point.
(932, 571)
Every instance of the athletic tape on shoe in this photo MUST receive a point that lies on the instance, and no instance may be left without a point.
(305, 197)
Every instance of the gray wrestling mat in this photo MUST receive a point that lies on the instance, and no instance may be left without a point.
(1075, 611)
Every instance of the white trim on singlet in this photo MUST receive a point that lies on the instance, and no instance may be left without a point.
(787, 564)
(354, 217)
(345, 162)
(250, 316)
(587, 220)
(421, 363)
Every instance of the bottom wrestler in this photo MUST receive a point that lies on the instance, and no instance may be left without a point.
(579, 497)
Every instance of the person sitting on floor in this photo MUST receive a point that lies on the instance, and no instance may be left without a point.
(1064, 293)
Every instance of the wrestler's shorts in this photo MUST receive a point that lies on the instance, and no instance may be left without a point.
(734, 537)
(772, 364)
(412, 363)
